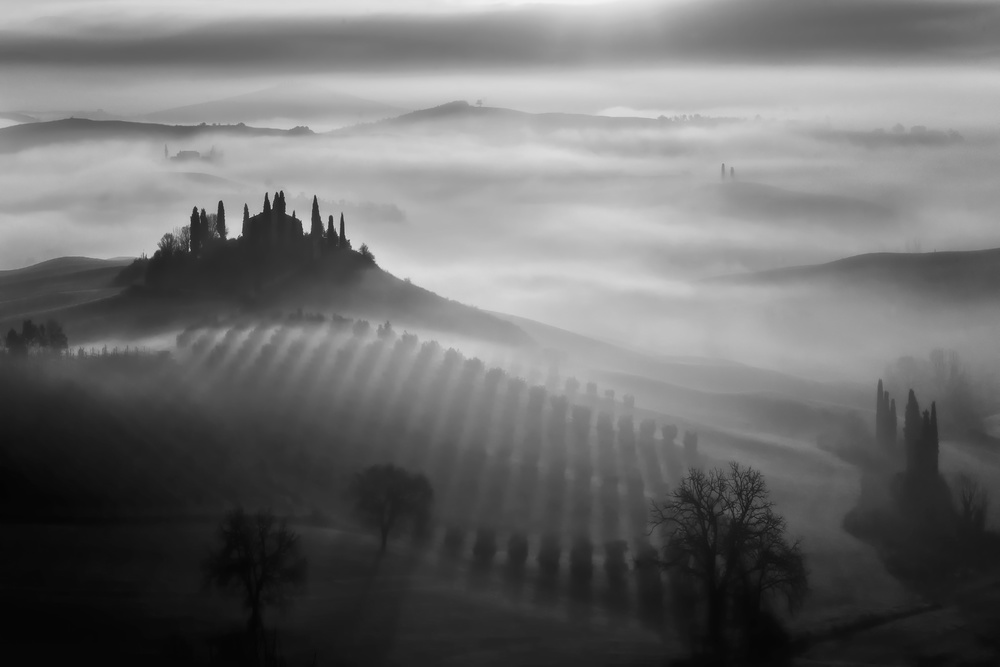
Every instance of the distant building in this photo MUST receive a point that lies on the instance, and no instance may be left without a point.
(187, 155)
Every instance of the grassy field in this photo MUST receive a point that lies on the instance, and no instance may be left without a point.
(132, 593)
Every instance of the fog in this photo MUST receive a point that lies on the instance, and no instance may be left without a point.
(604, 266)
(605, 228)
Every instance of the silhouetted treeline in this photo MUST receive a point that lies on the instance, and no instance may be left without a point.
(48, 337)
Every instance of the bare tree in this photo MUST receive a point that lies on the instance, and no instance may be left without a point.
(721, 533)
(258, 556)
(385, 495)
(973, 502)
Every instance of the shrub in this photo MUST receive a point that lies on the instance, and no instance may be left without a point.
(581, 567)
(454, 538)
(615, 566)
(548, 555)
(485, 546)
(517, 550)
(367, 253)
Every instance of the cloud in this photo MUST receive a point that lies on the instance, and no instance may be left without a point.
(715, 31)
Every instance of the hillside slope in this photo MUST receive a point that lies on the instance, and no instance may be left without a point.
(82, 294)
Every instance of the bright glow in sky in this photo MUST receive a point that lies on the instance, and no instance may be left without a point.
(17, 11)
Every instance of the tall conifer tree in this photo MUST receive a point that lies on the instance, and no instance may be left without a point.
(220, 222)
(331, 236)
(194, 227)
(880, 420)
(893, 423)
(933, 445)
(316, 231)
(203, 232)
(912, 432)
(343, 237)
(246, 221)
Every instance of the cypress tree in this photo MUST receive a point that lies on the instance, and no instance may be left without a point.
(912, 432)
(343, 238)
(331, 236)
(316, 232)
(202, 230)
(264, 227)
(925, 443)
(193, 235)
(220, 222)
(886, 428)
(246, 221)
(933, 448)
(893, 423)
(880, 420)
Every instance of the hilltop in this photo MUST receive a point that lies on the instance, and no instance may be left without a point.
(200, 274)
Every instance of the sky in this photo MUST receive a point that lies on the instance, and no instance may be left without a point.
(543, 225)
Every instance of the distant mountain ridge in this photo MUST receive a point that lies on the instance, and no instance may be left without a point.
(460, 115)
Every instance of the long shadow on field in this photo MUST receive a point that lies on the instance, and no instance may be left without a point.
(369, 624)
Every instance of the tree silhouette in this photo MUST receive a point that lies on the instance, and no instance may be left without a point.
(196, 235)
(55, 337)
(721, 532)
(258, 556)
(168, 244)
(246, 221)
(316, 230)
(385, 495)
(331, 236)
(367, 253)
(973, 502)
(220, 222)
(203, 232)
(15, 344)
(343, 243)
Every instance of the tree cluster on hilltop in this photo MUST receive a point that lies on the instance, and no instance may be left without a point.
(202, 255)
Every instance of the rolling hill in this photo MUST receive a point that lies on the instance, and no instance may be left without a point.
(83, 294)
(39, 290)
(461, 117)
(31, 135)
(960, 275)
